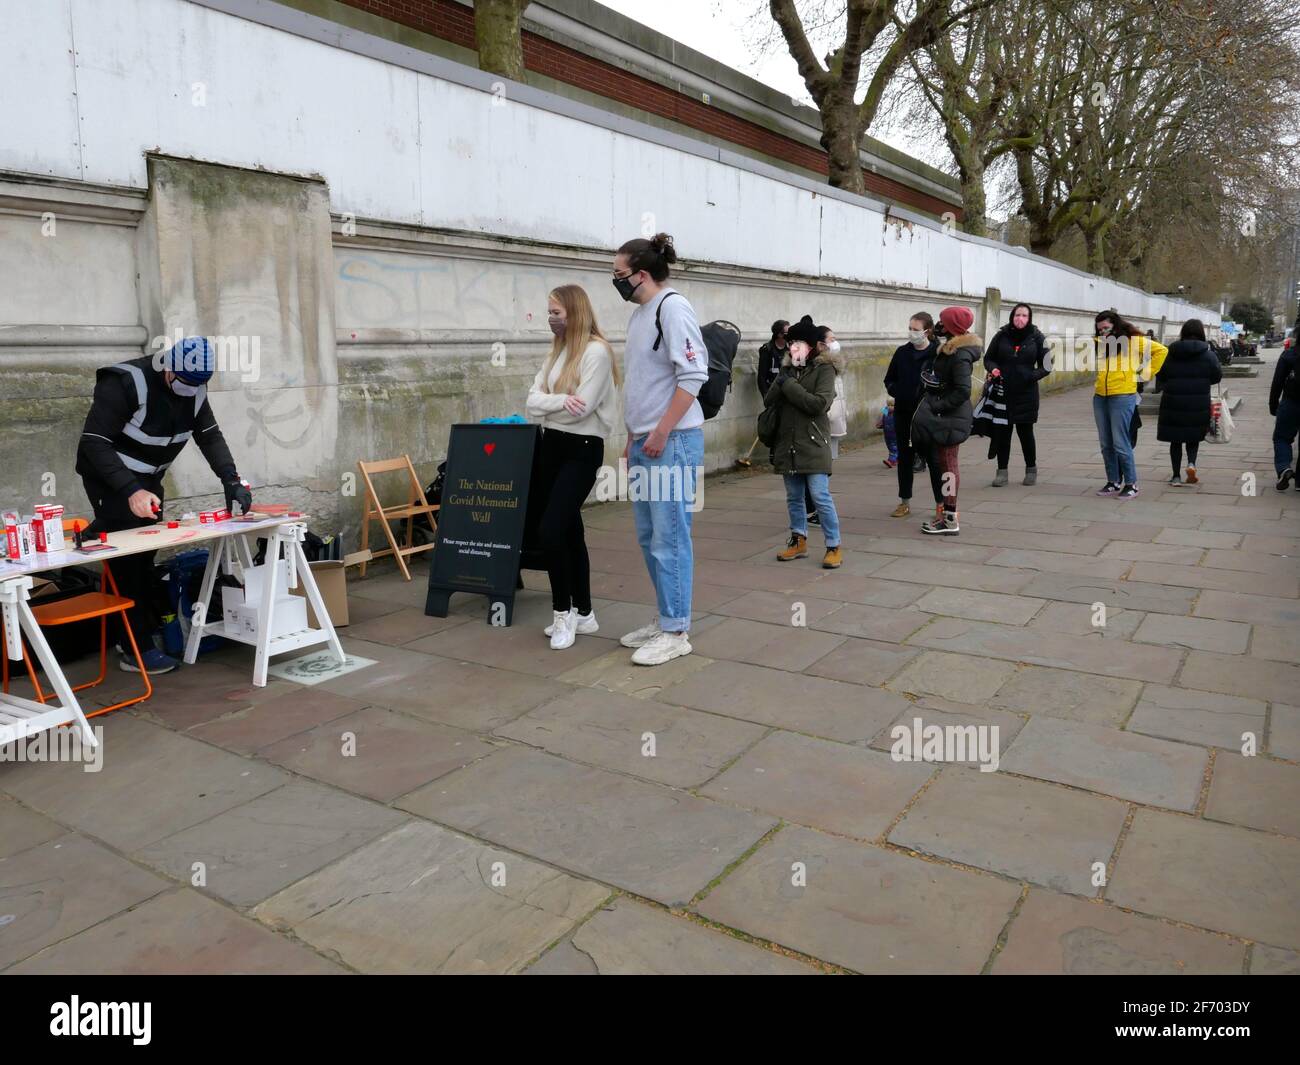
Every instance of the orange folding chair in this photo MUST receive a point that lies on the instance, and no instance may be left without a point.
(86, 607)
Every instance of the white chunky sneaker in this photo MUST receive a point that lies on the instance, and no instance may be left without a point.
(562, 630)
(584, 624)
(641, 636)
(663, 648)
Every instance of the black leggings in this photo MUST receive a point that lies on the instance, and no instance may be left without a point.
(566, 472)
(906, 453)
(1176, 454)
(1024, 430)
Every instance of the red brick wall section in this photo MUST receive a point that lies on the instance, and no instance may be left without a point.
(455, 23)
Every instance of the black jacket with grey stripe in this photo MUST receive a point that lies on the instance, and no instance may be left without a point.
(137, 426)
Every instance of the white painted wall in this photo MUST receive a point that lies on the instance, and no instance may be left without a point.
(105, 82)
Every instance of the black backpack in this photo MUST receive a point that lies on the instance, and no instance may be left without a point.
(722, 339)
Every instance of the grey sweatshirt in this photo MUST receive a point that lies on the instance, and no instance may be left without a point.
(652, 376)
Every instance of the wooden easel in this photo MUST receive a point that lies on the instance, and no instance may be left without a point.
(415, 504)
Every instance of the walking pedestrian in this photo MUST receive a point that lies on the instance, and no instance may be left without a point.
(943, 417)
(1284, 405)
(903, 383)
(1019, 351)
(802, 453)
(575, 398)
(1184, 381)
(666, 364)
(828, 348)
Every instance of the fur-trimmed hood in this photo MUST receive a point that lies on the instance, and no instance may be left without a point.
(966, 340)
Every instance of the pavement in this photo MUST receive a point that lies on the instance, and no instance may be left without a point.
(471, 801)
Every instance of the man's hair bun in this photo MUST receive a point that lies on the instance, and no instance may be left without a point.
(663, 244)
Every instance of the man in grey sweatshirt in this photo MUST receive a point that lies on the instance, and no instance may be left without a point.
(665, 363)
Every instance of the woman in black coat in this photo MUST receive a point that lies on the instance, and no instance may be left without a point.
(903, 383)
(1189, 370)
(1020, 352)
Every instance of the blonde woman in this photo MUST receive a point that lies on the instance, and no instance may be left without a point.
(575, 398)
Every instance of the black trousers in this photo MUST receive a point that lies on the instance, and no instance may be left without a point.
(566, 472)
(906, 453)
(1024, 430)
(1176, 454)
(134, 574)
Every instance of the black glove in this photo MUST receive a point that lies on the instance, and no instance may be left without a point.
(238, 492)
(1141, 387)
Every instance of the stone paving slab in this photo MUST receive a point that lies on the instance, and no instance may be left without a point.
(869, 662)
(831, 709)
(1061, 562)
(1271, 961)
(423, 899)
(980, 606)
(980, 578)
(1284, 732)
(1256, 792)
(21, 828)
(1256, 678)
(402, 626)
(616, 672)
(1020, 828)
(848, 790)
(1256, 609)
(249, 730)
(519, 648)
(946, 713)
(873, 623)
(1128, 595)
(612, 731)
(777, 608)
(864, 591)
(864, 907)
(192, 695)
(950, 676)
(632, 939)
(1108, 761)
(1055, 935)
(1068, 694)
(180, 933)
(1221, 580)
(43, 890)
(778, 646)
(1152, 552)
(663, 844)
(388, 754)
(1076, 619)
(1196, 634)
(1199, 538)
(1276, 644)
(1198, 717)
(1221, 877)
(254, 850)
(1041, 648)
(153, 783)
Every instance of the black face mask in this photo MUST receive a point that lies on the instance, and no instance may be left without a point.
(625, 287)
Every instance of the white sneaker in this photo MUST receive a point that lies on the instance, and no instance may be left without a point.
(663, 648)
(641, 636)
(562, 630)
(584, 624)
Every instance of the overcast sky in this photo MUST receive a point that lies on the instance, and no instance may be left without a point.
(729, 31)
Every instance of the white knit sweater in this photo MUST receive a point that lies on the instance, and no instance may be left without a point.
(595, 388)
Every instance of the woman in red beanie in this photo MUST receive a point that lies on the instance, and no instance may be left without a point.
(943, 417)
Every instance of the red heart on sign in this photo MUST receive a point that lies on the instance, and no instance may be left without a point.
(489, 448)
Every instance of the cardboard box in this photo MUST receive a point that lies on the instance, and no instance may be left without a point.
(332, 581)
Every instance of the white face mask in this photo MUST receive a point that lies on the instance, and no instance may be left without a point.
(833, 347)
(182, 389)
(918, 337)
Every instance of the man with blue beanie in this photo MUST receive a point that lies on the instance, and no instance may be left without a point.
(143, 414)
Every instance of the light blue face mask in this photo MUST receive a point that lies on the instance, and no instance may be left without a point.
(181, 388)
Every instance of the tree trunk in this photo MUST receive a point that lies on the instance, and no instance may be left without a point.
(497, 35)
(840, 139)
(974, 205)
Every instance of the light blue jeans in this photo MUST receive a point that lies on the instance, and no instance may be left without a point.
(663, 525)
(819, 488)
(1113, 415)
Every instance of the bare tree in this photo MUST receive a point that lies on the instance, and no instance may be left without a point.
(886, 32)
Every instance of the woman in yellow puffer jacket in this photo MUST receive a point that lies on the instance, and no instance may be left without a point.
(1125, 360)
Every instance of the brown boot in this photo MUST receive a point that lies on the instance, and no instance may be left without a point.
(833, 558)
(796, 548)
(902, 510)
(1191, 476)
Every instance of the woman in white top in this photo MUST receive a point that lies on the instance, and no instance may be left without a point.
(575, 397)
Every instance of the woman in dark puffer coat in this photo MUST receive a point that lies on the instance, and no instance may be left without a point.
(944, 414)
(1189, 370)
(1019, 352)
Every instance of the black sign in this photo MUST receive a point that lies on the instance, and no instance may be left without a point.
(481, 521)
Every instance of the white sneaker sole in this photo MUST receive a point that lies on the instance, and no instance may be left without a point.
(562, 646)
(677, 652)
(634, 641)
